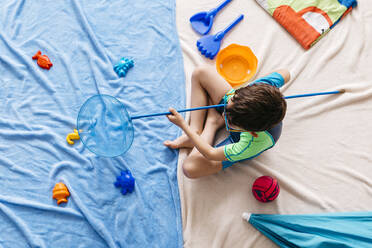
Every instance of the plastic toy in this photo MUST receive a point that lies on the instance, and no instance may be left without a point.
(209, 45)
(60, 193)
(108, 127)
(125, 181)
(202, 22)
(265, 189)
(72, 136)
(42, 60)
(122, 67)
(236, 64)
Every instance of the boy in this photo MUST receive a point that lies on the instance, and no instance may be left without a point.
(252, 115)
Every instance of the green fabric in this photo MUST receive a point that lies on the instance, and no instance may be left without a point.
(248, 146)
(333, 8)
(227, 97)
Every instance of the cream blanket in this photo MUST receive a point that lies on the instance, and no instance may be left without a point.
(323, 160)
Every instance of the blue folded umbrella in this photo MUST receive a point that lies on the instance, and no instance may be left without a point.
(339, 230)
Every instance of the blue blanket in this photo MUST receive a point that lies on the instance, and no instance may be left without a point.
(84, 39)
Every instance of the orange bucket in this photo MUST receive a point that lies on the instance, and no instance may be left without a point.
(236, 64)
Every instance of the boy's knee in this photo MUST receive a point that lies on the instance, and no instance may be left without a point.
(200, 71)
(190, 170)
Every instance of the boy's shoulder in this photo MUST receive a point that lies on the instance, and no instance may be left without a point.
(263, 136)
(273, 79)
(248, 146)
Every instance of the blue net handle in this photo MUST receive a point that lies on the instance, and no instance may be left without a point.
(181, 110)
(222, 105)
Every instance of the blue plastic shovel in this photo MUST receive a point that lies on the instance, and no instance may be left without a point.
(202, 22)
(209, 45)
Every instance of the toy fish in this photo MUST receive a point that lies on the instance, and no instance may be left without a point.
(72, 136)
(42, 60)
(60, 193)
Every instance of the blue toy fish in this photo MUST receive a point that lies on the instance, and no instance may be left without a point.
(125, 181)
(122, 67)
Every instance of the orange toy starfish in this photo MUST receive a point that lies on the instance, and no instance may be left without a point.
(42, 60)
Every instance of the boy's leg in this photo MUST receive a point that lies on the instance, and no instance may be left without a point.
(196, 165)
(206, 83)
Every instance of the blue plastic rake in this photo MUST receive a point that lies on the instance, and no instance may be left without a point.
(106, 129)
(209, 45)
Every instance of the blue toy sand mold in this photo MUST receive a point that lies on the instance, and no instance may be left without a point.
(125, 182)
(122, 67)
(84, 39)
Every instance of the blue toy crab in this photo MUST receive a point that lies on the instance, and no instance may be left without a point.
(125, 181)
(122, 67)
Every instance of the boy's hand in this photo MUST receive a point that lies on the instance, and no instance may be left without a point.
(176, 118)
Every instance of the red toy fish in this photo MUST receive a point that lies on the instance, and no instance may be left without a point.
(42, 60)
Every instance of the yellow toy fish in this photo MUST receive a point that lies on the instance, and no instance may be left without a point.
(72, 136)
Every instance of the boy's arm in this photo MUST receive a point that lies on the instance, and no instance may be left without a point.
(209, 152)
(277, 78)
(285, 74)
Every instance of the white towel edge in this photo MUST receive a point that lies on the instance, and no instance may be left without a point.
(246, 216)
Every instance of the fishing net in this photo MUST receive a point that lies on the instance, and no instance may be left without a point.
(105, 126)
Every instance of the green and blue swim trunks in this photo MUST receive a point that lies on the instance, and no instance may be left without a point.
(240, 146)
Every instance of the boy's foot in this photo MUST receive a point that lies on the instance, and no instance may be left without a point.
(181, 142)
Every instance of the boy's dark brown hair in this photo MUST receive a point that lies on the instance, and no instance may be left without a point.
(256, 107)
